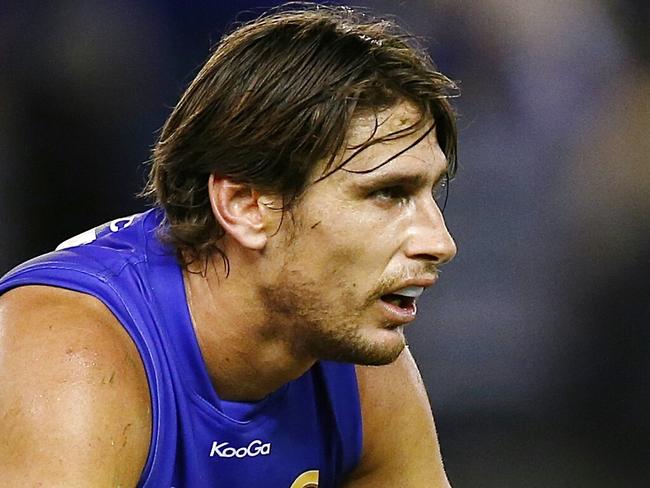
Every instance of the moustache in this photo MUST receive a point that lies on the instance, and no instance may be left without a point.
(388, 283)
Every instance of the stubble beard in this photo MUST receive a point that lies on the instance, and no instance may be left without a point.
(324, 331)
(315, 327)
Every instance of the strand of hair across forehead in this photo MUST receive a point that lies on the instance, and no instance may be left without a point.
(366, 146)
(392, 158)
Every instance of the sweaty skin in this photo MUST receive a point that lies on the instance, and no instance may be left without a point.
(74, 406)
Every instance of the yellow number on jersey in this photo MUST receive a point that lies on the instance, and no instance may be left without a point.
(308, 479)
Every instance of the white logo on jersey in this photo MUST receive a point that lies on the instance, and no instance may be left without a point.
(90, 235)
(255, 448)
(127, 221)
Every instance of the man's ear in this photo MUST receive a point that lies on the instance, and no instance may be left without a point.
(240, 212)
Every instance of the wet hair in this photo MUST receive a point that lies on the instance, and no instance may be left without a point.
(275, 100)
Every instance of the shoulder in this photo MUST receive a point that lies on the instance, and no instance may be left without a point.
(400, 441)
(74, 405)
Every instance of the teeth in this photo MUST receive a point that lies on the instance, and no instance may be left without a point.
(410, 291)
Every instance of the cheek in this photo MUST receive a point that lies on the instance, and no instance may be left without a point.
(350, 253)
(349, 245)
(334, 254)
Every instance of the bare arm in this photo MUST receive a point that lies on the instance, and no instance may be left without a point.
(74, 402)
(400, 441)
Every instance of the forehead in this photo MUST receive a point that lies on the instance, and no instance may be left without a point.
(417, 149)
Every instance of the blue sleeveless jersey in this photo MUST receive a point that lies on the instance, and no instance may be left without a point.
(306, 434)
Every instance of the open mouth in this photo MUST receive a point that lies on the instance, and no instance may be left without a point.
(402, 301)
(405, 303)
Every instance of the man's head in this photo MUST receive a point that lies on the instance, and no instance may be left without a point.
(341, 278)
(274, 104)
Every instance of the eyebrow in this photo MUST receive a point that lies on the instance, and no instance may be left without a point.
(415, 180)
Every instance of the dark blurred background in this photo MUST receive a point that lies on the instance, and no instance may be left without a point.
(535, 345)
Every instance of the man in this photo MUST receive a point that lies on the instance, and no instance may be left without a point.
(211, 341)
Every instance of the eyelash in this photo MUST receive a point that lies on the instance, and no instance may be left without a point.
(401, 193)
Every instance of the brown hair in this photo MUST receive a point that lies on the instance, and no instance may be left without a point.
(276, 98)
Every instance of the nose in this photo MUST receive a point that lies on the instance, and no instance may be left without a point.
(428, 237)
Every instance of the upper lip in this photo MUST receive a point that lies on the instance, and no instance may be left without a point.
(424, 282)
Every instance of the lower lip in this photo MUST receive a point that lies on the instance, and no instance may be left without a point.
(398, 314)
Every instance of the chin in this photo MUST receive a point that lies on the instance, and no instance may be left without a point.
(381, 356)
(382, 360)
(376, 351)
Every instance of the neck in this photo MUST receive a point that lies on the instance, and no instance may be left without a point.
(246, 357)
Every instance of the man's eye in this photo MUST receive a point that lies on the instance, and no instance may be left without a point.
(440, 192)
(390, 193)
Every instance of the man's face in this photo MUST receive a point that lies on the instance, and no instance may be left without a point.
(359, 248)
